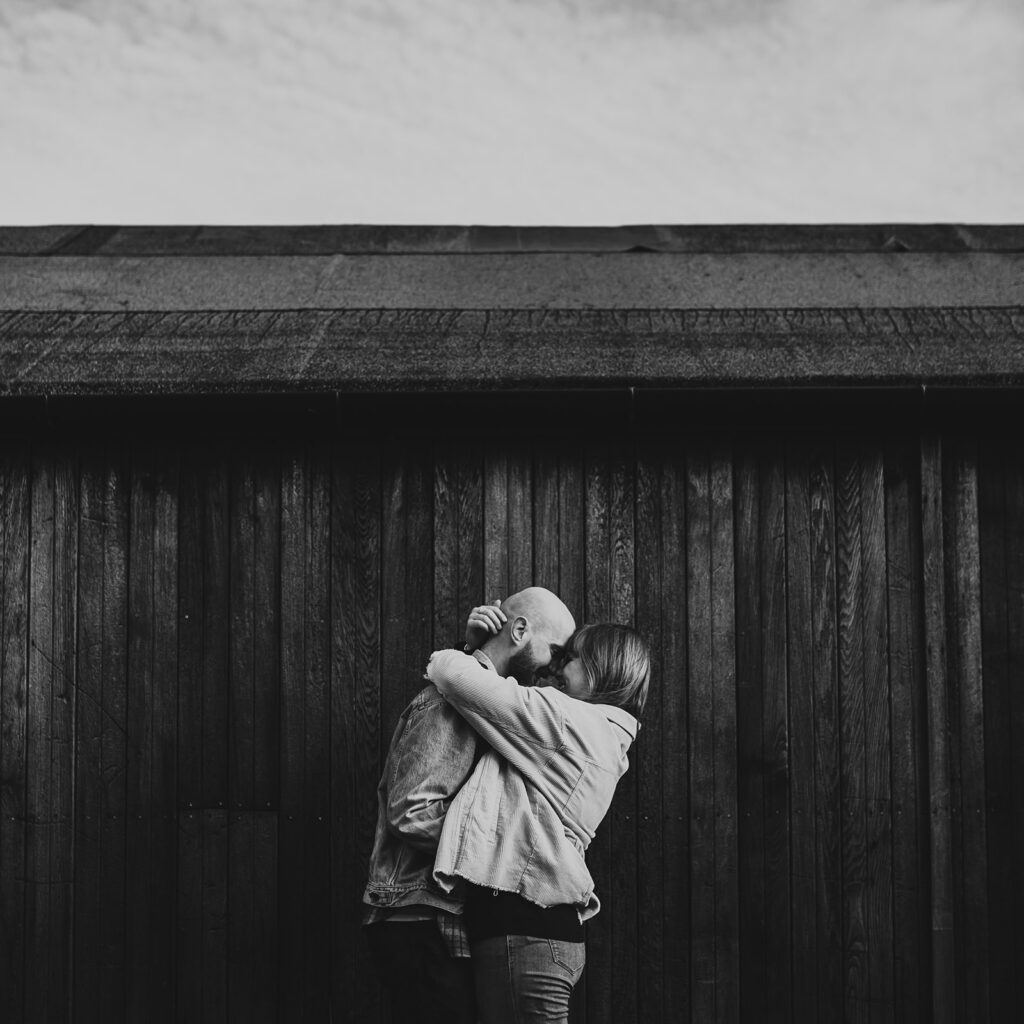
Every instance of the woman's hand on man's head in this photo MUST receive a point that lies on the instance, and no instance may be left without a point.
(485, 621)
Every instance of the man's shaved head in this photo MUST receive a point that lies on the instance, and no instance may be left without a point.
(536, 620)
(546, 613)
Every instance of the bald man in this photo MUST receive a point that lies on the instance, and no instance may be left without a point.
(414, 928)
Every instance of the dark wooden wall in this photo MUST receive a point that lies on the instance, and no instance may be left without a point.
(204, 647)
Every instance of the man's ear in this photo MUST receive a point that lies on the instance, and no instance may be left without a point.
(518, 629)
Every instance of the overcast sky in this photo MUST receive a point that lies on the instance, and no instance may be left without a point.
(510, 111)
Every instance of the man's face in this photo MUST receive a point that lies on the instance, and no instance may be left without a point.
(530, 665)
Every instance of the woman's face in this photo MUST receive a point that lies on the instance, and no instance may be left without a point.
(571, 678)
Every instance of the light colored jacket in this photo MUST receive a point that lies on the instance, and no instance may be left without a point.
(524, 819)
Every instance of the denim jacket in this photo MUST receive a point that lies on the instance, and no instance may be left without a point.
(525, 818)
(432, 753)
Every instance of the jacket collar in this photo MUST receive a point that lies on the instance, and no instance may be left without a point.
(484, 660)
(622, 718)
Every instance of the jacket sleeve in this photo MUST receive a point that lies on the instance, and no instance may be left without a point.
(426, 767)
(524, 724)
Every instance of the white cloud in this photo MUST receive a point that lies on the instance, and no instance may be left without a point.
(537, 111)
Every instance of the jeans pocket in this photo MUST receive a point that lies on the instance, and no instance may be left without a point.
(569, 955)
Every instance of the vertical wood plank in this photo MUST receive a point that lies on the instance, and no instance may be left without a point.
(676, 912)
(446, 545)
(15, 503)
(101, 753)
(469, 590)
(192, 491)
(723, 632)
(151, 791)
(943, 989)
(216, 527)
(1014, 485)
(317, 643)
(703, 922)
(545, 518)
(850, 595)
(254, 696)
(356, 727)
(520, 519)
(242, 558)
(877, 751)
(775, 732)
(189, 920)
(294, 825)
(50, 735)
(497, 576)
(266, 616)
(458, 540)
(252, 916)
(911, 948)
(571, 530)
(828, 796)
(998, 701)
(800, 646)
(754, 937)
(648, 762)
(215, 858)
(968, 734)
(215, 596)
(305, 733)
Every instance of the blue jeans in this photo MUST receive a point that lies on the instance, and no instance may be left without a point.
(521, 979)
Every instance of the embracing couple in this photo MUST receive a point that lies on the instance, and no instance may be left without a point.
(498, 774)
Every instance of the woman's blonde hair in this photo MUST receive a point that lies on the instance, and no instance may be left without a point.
(617, 663)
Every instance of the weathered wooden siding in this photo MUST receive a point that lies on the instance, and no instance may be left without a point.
(204, 647)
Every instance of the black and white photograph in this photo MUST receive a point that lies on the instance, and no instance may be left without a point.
(511, 511)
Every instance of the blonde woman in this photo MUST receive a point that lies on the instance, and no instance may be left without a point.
(515, 836)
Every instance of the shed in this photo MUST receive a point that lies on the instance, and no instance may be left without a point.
(251, 477)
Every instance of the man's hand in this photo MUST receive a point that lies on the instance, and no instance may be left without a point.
(484, 621)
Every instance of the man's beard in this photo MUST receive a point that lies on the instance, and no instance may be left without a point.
(524, 668)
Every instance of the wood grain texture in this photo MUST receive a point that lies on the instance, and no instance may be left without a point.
(304, 715)
(100, 741)
(499, 281)
(622, 819)
(204, 648)
(723, 653)
(358, 733)
(828, 817)
(240, 351)
(802, 722)
(15, 476)
(775, 733)
(152, 721)
(944, 987)
(877, 746)
(701, 748)
(853, 774)
(911, 946)
(1015, 667)
(50, 706)
(649, 760)
(998, 705)
(754, 934)
(968, 733)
